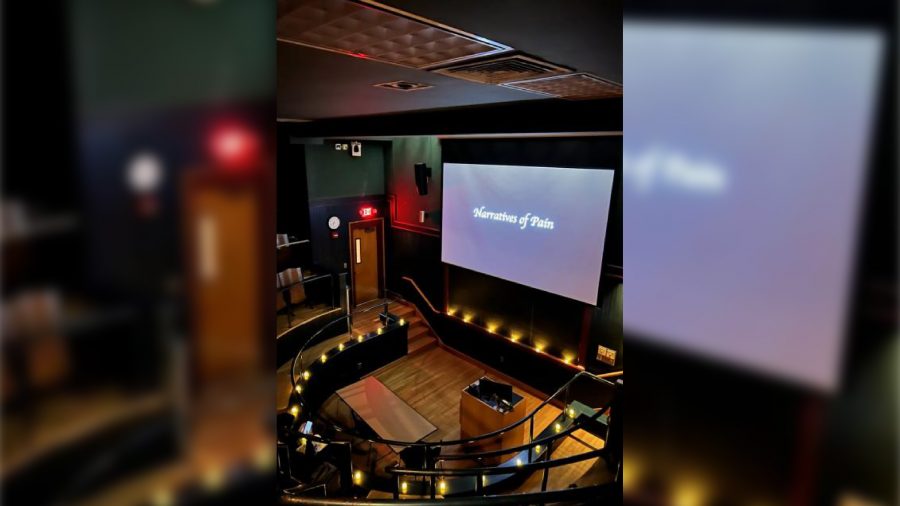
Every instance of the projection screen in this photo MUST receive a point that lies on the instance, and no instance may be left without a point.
(542, 227)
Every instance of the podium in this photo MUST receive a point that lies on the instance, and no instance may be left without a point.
(479, 415)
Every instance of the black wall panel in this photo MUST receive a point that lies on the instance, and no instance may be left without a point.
(333, 254)
(417, 256)
(292, 194)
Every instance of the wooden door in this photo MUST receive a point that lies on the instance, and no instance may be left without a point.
(225, 281)
(366, 260)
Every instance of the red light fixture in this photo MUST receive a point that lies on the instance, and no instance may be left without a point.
(368, 212)
(234, 147)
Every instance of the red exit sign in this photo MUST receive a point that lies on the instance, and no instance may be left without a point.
(367, 212)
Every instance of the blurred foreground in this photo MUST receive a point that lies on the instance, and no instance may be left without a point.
(137, 161)
(761, 247)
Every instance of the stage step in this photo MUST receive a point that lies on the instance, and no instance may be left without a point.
(402, 310)
(422, 344)
(419, 333)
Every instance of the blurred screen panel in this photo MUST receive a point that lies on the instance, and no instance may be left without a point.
(745, 164)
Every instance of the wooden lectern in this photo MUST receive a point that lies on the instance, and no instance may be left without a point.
(478, 415)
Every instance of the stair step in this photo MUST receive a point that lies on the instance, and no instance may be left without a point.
(401, 310)
(421, 344)
(417, 331)
(418, 334)
(418, 340)
(414, 319)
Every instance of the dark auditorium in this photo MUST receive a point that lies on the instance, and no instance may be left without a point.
(448, 293)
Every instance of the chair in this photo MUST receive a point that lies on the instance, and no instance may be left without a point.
(420, 457)
(291, 291)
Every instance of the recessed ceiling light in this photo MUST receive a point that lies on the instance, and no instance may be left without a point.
(367, 29)
(403, 86)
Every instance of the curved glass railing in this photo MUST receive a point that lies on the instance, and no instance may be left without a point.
(357, 325)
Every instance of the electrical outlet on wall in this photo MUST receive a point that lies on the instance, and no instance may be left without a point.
(606, 355)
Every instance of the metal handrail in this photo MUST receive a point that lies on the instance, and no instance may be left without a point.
(391, 442)
(422, 294)
(513, 449)
(348, 318)
(493, 453)
(499, 470)
(480, 455)
(553, 496)
(473, 439)
(434, 310)
(469, 471)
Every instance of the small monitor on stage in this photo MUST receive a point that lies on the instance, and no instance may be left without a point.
(487, 389)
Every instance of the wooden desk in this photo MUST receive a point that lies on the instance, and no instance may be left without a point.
(477, 417)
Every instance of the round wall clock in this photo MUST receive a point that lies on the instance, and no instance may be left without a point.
(334, 222)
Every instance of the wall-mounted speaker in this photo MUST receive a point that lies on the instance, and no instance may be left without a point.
(423, 175)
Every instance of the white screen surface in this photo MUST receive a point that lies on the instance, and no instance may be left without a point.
(742, 185)
(543, 227)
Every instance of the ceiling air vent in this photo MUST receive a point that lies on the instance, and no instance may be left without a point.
(503, 70)
(403, 86)
(570, 86)
(370, 30)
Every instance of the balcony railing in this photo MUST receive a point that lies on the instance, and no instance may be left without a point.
(535, 455)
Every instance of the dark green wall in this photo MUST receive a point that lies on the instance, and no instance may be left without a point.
(401, 183)
(335, 174)
(142, 55)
